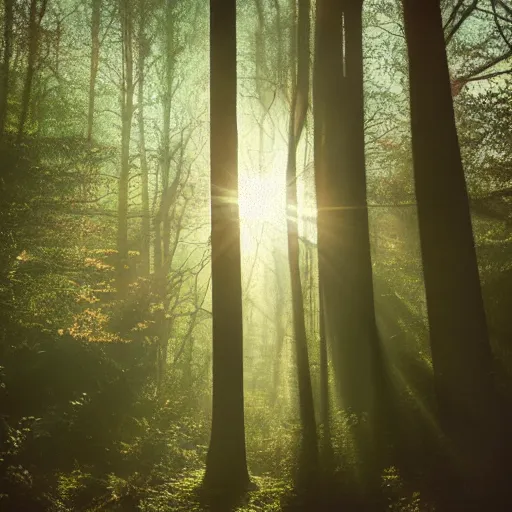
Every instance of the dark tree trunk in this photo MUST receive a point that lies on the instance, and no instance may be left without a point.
(226, 466)
(4, 78)
(343, 239)
(95, 54)
(345, 267)
(461, 353)
(298, 111)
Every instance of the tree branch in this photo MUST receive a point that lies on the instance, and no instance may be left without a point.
(465, 15)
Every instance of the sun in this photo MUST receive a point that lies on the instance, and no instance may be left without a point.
(261, 199)
(262, 203)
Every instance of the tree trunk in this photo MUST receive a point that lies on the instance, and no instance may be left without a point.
(34, 24)
(126, 116)
(226, 466)
(298, 111)
(166, 132)
(157, 247)
(4, 78)
(343, 235)
(279, 325)
(461, 353)
(95, 54)
(145, 224)
(325, 420)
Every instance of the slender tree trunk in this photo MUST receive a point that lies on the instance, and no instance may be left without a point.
(145, 224)
(157, 247)
(95, 54)
(279, 316)
(226, 466)
(162, 223)
(166, 132)
(325, 419)
(4, 78)
(166, 224)
(126, 116)
(298, 113)
(377, 397)
(461, 353)
(34, 22)
(279, 46)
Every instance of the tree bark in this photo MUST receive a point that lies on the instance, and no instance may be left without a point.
(461, 353)
(226, 466)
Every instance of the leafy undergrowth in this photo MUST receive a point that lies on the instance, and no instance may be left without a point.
(182, 494)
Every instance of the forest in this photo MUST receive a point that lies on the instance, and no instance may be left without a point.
(255, 255)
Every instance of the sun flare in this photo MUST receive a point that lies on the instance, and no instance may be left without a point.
(262, 203)
(261, 199)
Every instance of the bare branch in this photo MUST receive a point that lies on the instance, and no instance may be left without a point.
(465, 15)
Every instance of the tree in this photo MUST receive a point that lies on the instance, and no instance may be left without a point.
(298, 112)
(127, 109)
(226, 466)
(461, 353)
(325, 419)
(36, 13)
(143, 50)
(345, 267)
(4, 76)
(95, 56)
(168, 189)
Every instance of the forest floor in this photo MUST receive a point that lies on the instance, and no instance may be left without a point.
(183, 494)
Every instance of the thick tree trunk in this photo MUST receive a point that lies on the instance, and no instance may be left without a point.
(226, 466)
(298, 111)
(461, 352)
(343, 235)
(4, 77)
(95, 54)
(126, 116)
